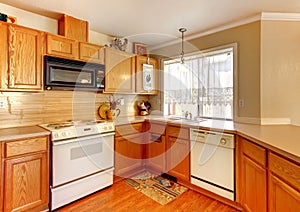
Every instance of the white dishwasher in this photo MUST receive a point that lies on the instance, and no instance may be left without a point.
(212, 162)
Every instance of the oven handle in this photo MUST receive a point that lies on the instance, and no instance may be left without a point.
(56, 143)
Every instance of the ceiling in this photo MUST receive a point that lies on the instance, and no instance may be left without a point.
(157, 21)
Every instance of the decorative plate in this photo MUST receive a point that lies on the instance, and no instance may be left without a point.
(102, 110)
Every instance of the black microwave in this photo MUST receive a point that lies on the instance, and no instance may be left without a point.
(65, 74)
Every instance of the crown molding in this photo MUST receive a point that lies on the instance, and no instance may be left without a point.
(268, 16)
(263, 16)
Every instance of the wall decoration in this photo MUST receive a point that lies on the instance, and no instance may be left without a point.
(148, 77)
(118, 43)
(140, 49)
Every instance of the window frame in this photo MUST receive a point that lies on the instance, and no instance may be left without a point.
(234, 46)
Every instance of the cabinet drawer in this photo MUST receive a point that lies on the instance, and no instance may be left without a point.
(254, 152)
(285, 169)
(21, 147)
(129, 129)
(178, 132)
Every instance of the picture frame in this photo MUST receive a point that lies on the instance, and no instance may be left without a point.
(140, 49)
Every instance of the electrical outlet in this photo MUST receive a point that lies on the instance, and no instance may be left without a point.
(241, 103)
(3, 104)
(122, 101)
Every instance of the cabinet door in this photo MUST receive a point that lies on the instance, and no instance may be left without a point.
(3, 56)
(178, 158)
(155, 153)
(140, 60)
(120, 70)
(61, 47)
(26, 183)
(91, 53)
(128, 154)
(25, 58)
(254, 186)
(253, 174)
(282, 197)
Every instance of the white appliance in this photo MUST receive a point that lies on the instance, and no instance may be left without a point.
(212, 162)
(82, 159)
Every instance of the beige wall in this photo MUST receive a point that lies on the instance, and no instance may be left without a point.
(247, 38)
(280, 71)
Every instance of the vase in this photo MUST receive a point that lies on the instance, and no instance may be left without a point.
(112, 114)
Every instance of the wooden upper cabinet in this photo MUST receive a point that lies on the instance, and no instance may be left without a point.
(91, 53)
(3, 55)
(21, 58)
(73, 28)
(120, 70)
(140, 60)
(60, 46)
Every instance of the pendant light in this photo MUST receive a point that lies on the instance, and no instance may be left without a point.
(182, 30)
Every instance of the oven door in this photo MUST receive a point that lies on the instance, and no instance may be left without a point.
(74, 159)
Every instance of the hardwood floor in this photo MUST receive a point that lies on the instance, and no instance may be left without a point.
(122, 197)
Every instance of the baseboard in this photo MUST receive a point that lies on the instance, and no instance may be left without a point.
(275, 121)
(247, 120)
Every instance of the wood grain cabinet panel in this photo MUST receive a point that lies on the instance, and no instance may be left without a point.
(284, 184)
(25, 174)
(140, 60)
(129, 153)
(155, 153)
(120, 71)
(91, 53)
(253, 173)
(177, 153)
(60, 46)
(23, 65)
(26, 182)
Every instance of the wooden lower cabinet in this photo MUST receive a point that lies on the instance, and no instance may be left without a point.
(26, 183)
(129, 153)
(155, 153)
(284, 184)
(253, 190)
(26, 175)
(266, 181)
(178, 153)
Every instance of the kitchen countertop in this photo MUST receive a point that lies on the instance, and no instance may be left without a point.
(283, 139)
(16, 133)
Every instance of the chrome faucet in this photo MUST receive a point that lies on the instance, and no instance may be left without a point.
(186, 114)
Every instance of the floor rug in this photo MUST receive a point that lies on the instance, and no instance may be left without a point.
(156, 187)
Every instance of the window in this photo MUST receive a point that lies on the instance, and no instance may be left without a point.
(201, 87)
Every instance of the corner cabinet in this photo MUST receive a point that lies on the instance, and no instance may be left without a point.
(140, 60)
(129, 149)
(178, 152)
(120, 71)
(21, 58)
(26, 174)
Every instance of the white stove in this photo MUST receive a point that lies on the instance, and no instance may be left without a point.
(75, 129)
(82, 159)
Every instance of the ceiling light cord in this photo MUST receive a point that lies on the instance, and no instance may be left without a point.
(182, 30)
